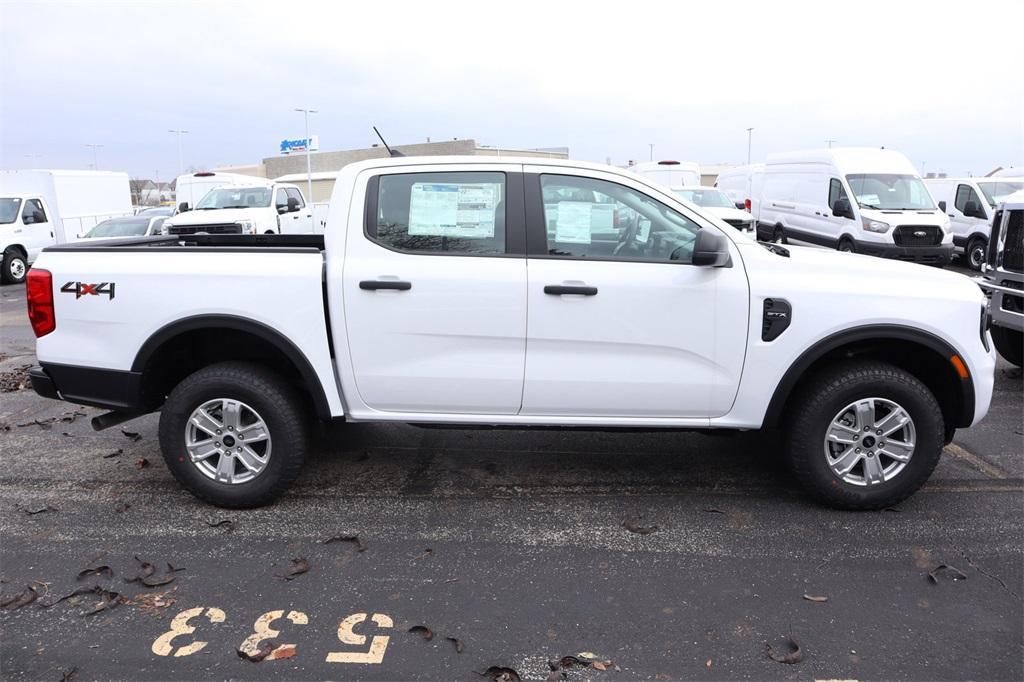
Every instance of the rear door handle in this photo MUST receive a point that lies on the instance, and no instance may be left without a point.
(564, 290)
(374, 284)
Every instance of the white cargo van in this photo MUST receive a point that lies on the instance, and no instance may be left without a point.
(743, 186)
(863, 200)
(39, 208)
(970, 204)
(191, 187)
(255, 207)
(669, 173)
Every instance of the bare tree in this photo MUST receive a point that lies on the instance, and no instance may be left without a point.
(137, 186)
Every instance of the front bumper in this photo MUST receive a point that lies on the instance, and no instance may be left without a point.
(930, 255)
(1007, 306)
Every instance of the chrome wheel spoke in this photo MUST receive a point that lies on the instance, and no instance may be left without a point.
(873, 470)
(847, 460)
(201, 451)
(254, 433)
(893, 422)
(231, 414)
(203, 420)
(842, 438)
(865, 414)
(225, 468)
(898, 450)
(249, 459)
(223, 431)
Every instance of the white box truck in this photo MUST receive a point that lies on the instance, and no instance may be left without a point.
(970, 204)
(858, 199)
(39, 208)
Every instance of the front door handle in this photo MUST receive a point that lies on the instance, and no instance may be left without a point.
(374, 284)
(565, 290)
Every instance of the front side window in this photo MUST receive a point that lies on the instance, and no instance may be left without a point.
(590, 218)
(297, 195)
(9, 210)
(33, 212)
(282, 198)
(964, 194)
(835, 192)
(996, 192)
(235, 197)
(890, 192)
(456, 212)
(120, 227)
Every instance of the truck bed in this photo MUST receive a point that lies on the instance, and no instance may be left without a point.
(200, 242)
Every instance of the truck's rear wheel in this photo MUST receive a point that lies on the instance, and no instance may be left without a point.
(234, 434)
(1009, 343)
(846, 245)
(863, 435)
(15, 267)
(974, 254)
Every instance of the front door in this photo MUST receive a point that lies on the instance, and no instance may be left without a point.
(36, 228)
(963, 225)
(620, 323)
(435, 291)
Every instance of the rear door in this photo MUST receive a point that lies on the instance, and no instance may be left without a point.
(435, 290)
(620, 323)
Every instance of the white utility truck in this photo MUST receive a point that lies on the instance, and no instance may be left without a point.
(252, 207)
(191, 187)
(970, 204)
(531, 292)
(39, 208)
(864, 200)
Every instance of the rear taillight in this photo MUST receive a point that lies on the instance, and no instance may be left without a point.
(39, 294)
(746, 204)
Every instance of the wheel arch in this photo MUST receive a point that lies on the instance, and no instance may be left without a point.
(902, 346)
(151, 361)
(17, 247)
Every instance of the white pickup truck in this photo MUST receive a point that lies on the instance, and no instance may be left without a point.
(255, 207)
(485, 292)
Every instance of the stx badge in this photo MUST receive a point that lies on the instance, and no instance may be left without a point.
(80, 289)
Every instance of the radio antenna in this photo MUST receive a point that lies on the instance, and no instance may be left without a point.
(391, 152)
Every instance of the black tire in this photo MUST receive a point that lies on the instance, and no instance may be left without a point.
(277, 403)
(779, 235)
(1009, 343)
(15, 267)
(975, 252)
(846, 245)
(815, 404)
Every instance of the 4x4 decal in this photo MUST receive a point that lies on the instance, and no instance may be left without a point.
(80, 289)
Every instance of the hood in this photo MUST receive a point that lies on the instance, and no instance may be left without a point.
(220, 215)
(864, 277)
(933, 217)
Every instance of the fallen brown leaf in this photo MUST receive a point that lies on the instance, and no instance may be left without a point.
(633, 526)
(226, 524)
(285, 652)
(297, 568)
(785, 651)
(98, 571)
(131, 435)
(459, 644)
(811, 597)
(264, 649)
(501, 674)
(141, 463)
(108, 600)
(32, 511)
(115, 453)
(21, 599)
(427, 633)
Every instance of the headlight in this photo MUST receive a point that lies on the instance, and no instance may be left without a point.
(165, 228)
(247, 226)
(946, 226)
(874, 225)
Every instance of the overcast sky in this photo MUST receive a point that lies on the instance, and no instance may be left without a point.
(941, 82)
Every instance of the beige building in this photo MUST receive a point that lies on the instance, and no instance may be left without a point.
(325, 165)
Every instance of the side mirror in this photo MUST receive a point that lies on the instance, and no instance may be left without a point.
(282, 209)
(842, 208)
(942, 206)
(972, 210)
(740, 205)
(38, 217)
(293, 204)
(711, 249)
(182, 207)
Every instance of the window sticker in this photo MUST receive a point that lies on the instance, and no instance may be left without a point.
(868, 199)
(453, 210)
(574, 222)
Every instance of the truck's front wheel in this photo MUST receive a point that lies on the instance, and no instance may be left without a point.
(234, 434)
(15, 267)
(863, 435)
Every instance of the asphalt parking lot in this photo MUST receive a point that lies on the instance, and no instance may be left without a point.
(512, 548)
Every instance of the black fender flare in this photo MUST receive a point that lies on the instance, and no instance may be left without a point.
(875, 332)
(263, 331)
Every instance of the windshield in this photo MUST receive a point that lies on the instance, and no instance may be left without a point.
(129, 227)
(235, 197)
(890, 192)
(710, 198)
(995, 192)
(9, 210)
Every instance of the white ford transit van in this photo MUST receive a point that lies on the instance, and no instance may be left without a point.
(743, 186)
(863, 200)
(669, 173)
(970, 204)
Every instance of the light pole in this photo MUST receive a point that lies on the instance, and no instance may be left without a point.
(95, 163)
(651, 145)
(181, 162)
(750, 132)
(30, 157)
(829, 143)
(309, 163)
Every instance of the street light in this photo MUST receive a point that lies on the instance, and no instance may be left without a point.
(95, 163)
(829, 143)
(181, 163)
(309, 163)
(651, 145)
(749, 135)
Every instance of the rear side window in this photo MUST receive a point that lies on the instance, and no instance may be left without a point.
(457, 212)
(295, 194)
(965, 193)
(33, 212)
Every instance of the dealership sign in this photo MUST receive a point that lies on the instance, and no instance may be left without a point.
(300, 145)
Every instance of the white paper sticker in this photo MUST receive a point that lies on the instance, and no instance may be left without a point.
(573, 225)
(868, 199)
(453, 210)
